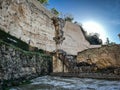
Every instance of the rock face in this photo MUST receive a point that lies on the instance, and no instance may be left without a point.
(29, 21)
(17, 64)
(106, 56)
(75, 40)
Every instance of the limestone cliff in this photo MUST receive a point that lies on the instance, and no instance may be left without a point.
(106, 56)
(29, 21)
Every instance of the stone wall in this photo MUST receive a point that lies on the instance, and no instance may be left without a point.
(106, 56)
(16, 64)
(29, 21)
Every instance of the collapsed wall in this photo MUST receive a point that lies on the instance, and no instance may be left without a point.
(29, 21)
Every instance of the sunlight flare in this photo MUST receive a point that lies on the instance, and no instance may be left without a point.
(94, 27)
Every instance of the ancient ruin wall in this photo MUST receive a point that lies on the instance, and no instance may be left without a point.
(29, 21)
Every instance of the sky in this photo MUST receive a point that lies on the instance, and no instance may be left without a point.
(103, 15)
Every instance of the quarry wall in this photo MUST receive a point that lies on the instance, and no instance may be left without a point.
(29, 21)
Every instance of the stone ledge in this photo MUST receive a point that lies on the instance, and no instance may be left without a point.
(88, 75)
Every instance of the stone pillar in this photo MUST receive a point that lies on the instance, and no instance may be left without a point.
(58, 65)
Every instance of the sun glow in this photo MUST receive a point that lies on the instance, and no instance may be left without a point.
(94, 27)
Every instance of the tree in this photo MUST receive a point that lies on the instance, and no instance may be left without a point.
(119, 35)
(75, 22)
(93, 39)
(43, 1)
(68, 17)
(107, 41)
(112, 43)
(54, 11)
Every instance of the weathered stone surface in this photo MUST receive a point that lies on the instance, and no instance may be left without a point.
(58, 65)
(106, 56)
(74, 39)
(16, 64)
(31, 22)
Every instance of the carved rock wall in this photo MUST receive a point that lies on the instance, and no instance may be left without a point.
(74, 39)
(29, 21)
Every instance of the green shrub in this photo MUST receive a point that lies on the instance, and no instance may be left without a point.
(6, 37)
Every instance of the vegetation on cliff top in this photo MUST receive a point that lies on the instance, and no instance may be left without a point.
(43, 1)
(54, 11)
